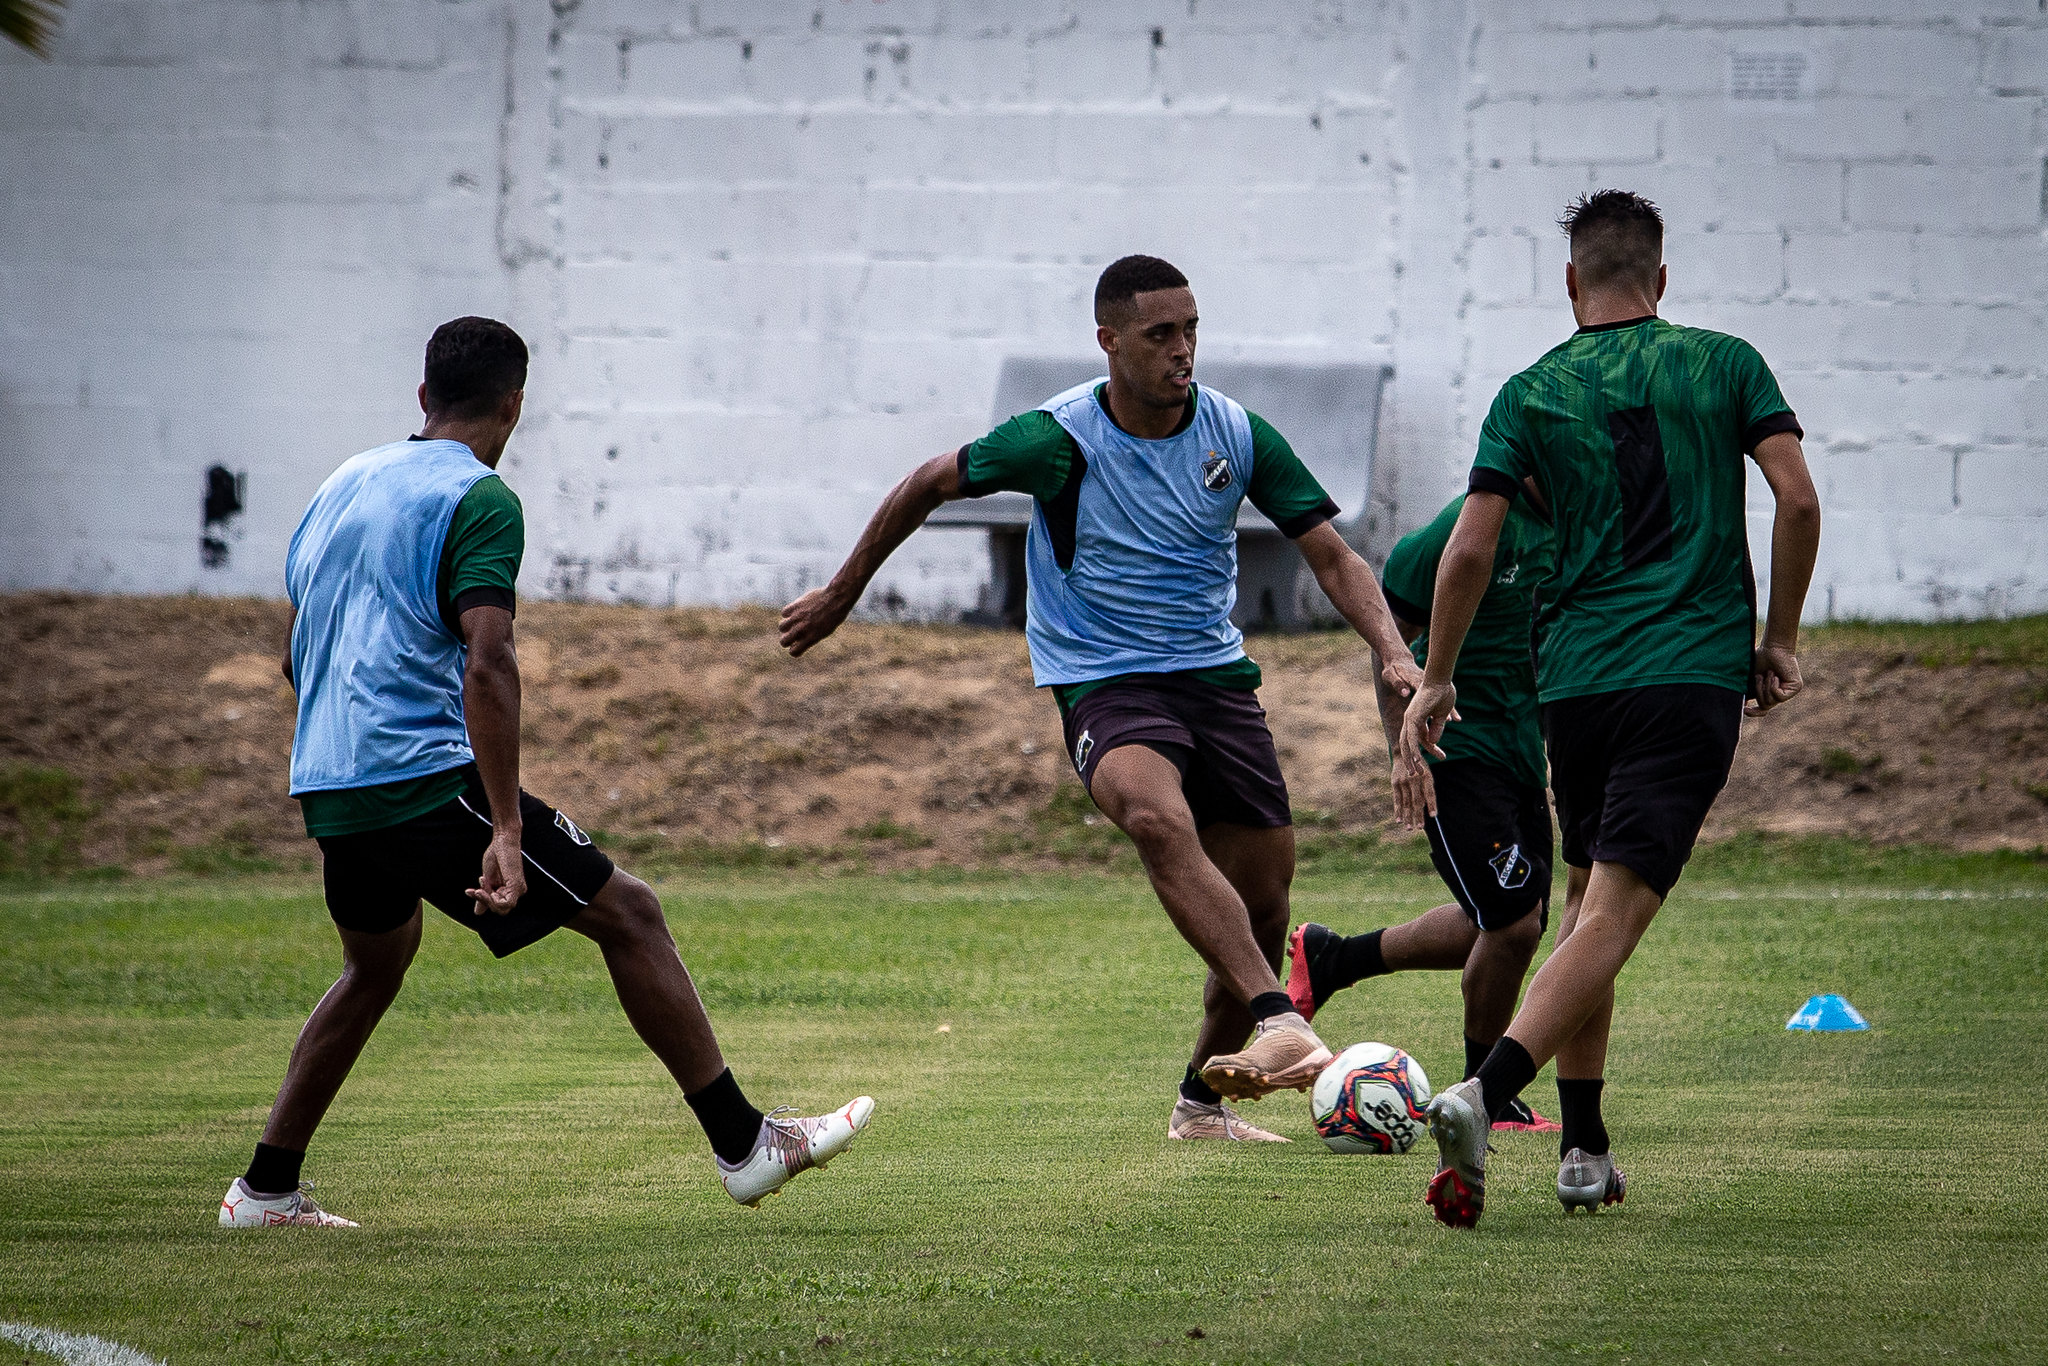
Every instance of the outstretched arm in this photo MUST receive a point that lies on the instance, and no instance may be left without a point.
(1795, 543)
(1461, 578)
(817, 614)
(1351, 588)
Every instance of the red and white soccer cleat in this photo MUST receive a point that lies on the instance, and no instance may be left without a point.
(1458, 1122)
(1519, 1118)
(789, 1145)
(239, 1208)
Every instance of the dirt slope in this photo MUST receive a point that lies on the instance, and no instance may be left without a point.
(690, 730)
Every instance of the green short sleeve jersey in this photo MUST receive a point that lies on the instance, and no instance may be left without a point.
(1634, 433)
(479, 566)
(1496, 677)
(1033, 454)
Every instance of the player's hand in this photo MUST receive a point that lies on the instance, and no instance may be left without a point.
(1422, 725)
(1403, 675)
(502, 880)
(1414, 796)
(811, 618)
(1774, 672)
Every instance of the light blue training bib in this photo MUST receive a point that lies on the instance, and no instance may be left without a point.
(1153, 575)
(379, 674)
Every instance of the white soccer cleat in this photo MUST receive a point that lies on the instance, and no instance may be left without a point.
(239, 1208)
(789, 1145)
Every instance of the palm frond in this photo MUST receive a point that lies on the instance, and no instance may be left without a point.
(31, 23)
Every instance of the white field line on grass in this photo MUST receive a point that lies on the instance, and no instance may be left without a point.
(74, 1349)
(1874, 894)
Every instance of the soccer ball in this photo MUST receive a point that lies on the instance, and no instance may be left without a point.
(1372, 1099)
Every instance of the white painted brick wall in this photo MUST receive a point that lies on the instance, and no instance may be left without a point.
(769, 253)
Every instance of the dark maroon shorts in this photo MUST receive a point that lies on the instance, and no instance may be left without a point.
(1216, 737)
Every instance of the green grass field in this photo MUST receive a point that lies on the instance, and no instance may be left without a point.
(532, 1189)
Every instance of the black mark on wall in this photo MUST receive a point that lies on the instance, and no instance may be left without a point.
(218, 510)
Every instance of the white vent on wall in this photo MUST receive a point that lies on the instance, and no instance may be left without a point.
(1769, 77)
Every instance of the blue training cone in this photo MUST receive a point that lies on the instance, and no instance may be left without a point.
(1827, 1013)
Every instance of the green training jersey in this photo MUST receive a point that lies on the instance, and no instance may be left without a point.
(1032, 453)
(1496, 677)
(1634, 434)
(479, 565)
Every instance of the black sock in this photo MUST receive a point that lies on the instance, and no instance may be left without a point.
(1355, 958)
(1507, 1069)
(1475, 1053)
(1267, 1004)
(1193, 1088)
(729, 1122)
(273, 1171)
(1578, 1110)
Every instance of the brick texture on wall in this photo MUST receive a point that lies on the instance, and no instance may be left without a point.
(769, 254)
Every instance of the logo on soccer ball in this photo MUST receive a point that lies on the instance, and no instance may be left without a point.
(570, 828)
(1215, 473)
(1510, 867)
(1083, 747)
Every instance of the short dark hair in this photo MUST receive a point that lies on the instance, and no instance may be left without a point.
(1617, 237)
(472, 364)
(1129, 277)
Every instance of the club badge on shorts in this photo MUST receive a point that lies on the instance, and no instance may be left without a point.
(1215, 473)
(1509, 867)
(1083, 747)
(570, 828)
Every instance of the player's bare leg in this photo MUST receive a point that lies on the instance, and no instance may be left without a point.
(372, 971)
(1575, 986)
(1259, 864)
(1584, 1054)
(1140, 790)
(1586, 1175)
(333, 1037)
(1440, 939)
(625, 921)
(1494, 971)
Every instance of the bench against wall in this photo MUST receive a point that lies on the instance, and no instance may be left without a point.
(1328, 413)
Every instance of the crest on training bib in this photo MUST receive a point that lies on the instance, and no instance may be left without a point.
(1215, 473)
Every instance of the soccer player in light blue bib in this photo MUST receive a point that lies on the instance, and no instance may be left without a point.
(1131, 569)
(405, 763)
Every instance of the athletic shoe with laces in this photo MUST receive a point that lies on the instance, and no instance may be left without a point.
(1458, 1123)
(1519, 1118)
(1587, 1182)
(243, 1208)
(1307, 949)
(1285, 1055)
(1193, 1119)
(789, 1144)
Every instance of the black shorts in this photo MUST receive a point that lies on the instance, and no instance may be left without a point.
(1490, 841)
(1636, 771)
(377, 878)
(1216, 737)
